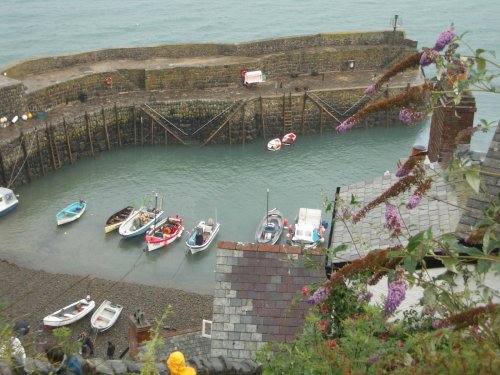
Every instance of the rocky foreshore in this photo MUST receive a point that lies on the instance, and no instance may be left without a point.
(29, 295)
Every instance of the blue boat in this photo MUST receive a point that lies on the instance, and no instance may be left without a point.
(71, 212)
(8, 201)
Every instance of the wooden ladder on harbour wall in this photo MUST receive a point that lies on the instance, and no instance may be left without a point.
(164, 123)
(287, 114)
(54, 153)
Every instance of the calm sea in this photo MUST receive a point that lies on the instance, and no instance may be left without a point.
(227, 181)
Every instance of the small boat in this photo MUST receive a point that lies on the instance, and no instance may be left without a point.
(140, 221)
(115, 220)
(308, 229)
(71, 212)
(70, 313)
(274, 144)
(164, 232)
(105, 316)
(8, 201)
(202, 235)
(288, 138)
(270, 227)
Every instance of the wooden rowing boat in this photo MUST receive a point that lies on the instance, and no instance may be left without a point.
(115, 220)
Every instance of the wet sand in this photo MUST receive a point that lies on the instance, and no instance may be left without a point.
(29, 295)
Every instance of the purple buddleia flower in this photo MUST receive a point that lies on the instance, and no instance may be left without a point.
(320, 295)
(410, 115)
(395, 295)
(436, 324)
(392, 219)
(401, 172)
(428, 57)
(346, 125)
(370, 90)
(444, 39)
(414, 200)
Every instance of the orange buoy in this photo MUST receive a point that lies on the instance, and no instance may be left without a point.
(109, 81)
(285, 222)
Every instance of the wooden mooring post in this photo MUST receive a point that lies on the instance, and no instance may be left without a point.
(2, 169)
(106, 134)
(40, 156)
(89, 133)
(22, 139)
(118, 127)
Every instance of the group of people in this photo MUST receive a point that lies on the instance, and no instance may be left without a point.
(70, 365)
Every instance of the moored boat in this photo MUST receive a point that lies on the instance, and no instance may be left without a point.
(140, 221)
(274, 144)
(202, 235)
(115, 220)
(308, 229)
(164, 232)
(8, 201)
(105, 316)
(270, 227)
(71, 212)
(288, 138)
(70, 314)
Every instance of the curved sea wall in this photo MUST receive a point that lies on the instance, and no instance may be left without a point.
(82, 110)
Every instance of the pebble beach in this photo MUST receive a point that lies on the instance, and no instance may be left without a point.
(29, 295)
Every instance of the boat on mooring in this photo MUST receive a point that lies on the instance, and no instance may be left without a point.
(8, 201)
(274, 144)
(288, 139)
(202, 235)
(140, 221)
(71, 212)
(308, 229)
(70, 314)
(164, 232)
(271, 226)
(114, 221)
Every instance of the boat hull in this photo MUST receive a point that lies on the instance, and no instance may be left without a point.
(164, 233)
(69, 314)
(117, 219)
(8, 201)
(105, 316)
(208, 237)
(134, 226)
(71, 212)
(270, 228)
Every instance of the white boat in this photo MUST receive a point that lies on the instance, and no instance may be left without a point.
(70, 314)
(8, 201)
(105, 316)
(140, 221)
(308, 229)
(202, 235)
(274, 144)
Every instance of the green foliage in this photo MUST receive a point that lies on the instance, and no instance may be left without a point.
(148, 357)
(62, 336)
(453, 330)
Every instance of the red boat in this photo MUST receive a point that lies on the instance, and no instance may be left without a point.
(164, 232)
(289, 138)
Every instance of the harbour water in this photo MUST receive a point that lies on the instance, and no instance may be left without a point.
(227, 181)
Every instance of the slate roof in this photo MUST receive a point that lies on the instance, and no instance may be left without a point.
(438, 210)
(257, 296)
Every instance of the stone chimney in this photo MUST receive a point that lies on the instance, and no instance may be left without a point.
(447, 122)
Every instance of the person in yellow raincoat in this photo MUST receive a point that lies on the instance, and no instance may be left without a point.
(177, 365)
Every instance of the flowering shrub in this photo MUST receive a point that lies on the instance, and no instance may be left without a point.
(452, 331)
